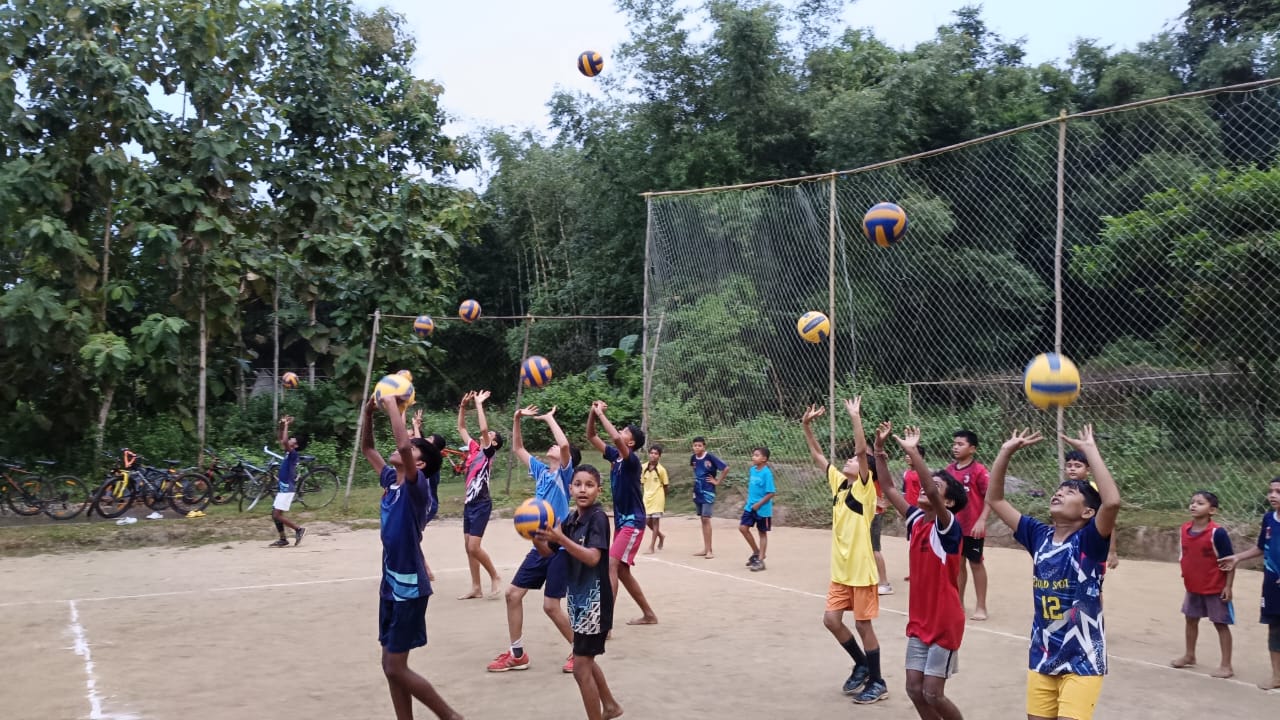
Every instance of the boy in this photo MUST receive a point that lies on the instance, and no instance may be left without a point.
(1076, 466)
(877, 529)
(935, 616)
(478, 505)
(288, 485)
(1068, 651)
(853, 570)
(973, 519)
(552, 484)
(759, 508)
(628, 505)
(584, 536)
(1203, 544)
(655, 481)
(433, 481)
(705, 466)
(1268, 548)
(402, 612)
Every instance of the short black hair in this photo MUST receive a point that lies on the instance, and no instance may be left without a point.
(590, 470)
(497, 440)
(1077, 456)
(1209, 496)
(762, 450)
(575, 455)
(969, 436)
(1092, 498)
(438, 440)
(700, 439)
(637, 436)
(955, 491)
(303, 439)
(657, 447)
(429, 454)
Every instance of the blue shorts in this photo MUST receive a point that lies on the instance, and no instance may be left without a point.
(704, 508)
(402, 626)
(536, 570)
(475, 518)
(763, 524)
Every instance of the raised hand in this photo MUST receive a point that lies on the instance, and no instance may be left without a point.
(548, 415)
(910, 438)
(417, 416)
(286, 420)
(527, 411)
(854, 406)
(482, 396)
(882, 434)
(466, 398)
(1023, 438)
(812, 412)
(1084, 441)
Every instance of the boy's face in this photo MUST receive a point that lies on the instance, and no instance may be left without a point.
(852, 468)
(1273, 495)
(1077, 470)
(626, 437)
(553, 455)
(923, 503)
(393, 459)
(1067, 505)
(585, 489)
(961, 449)
(699, 448)
(1200, 507)
(654, 456)
(758, 459)
(291, 444)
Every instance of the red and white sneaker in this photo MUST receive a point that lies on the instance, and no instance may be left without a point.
(506, 661)
(568, 664)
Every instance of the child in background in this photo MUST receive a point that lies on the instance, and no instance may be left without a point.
(759, 508)
(478, 505)
(288, 479)
(973, 519)
(1077, 468)
(705, 479)
(655, 481)
(1268, 548)
(1203, 544)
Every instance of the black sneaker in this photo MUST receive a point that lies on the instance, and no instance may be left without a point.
(856, 680)
(297, 536)
(757, 566)
(753, 559)
(874, 692)
(280, 543)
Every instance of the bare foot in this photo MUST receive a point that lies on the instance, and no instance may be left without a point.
(649, 551)
(1274, 684)
(1222, 672)
(980, 614)
(661, 538)
(1184, 661)
(646, 620)
(611, 711)
(702, 553)
(497, 587)
(710, 555)
(474, 594)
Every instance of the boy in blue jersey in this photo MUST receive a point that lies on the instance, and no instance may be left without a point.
(628, 504)
(552, 484)
(288, 479)
(1268, 548)
(1068, 655)
(403, 593)
(708, 472)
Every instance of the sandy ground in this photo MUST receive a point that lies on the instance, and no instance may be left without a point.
(243, 631)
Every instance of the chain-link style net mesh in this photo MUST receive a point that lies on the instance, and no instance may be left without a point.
(1170, 301)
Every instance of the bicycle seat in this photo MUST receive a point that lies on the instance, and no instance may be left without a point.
(306, 458)
(46, 462)
(172, 463)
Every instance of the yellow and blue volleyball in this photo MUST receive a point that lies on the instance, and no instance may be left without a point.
(534, 514)
(289, 380)
(813, 327)
(469, 310)
(424, 326)
(535, 371)
(396, 386)
(1051, 381)
(590, 63)
(406, 375)
(884, 224)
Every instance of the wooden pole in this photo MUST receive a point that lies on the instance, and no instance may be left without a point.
(644, 321)
(368, 378)
(1057, 269)
(831, 318)
(275, 344)
(524, 355)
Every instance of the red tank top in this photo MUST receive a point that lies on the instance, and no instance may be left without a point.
(1199, 560)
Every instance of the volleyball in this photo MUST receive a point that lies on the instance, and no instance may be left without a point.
(424, 326)
(813, 327)
(884, 224)
(590, 63)
(533, 514)
(1051, 381)
(406, 375)
(289, 380)
(396, 386)
(535, 371)
(469, 310)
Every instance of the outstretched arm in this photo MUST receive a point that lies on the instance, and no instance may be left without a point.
(557, 435)
(854, 408)
(887, 486)
(366, 439)
(517, 434)
(1004, 509)
(593, 436)
(910, 443)
(614, 436)
(408, 470)
(462, 418)
(284, 432)
(416, 430)
(1105, 520)
(815, 450)
(479, 398)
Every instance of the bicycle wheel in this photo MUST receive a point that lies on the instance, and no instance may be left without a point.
(253, 490)
(64, 497)
(317, 488)
(27, 498)
(226, 488)
(191, 491)
(113, 497)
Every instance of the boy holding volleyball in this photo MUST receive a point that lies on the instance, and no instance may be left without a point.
(1068, 652)
(478, 505)
(405, 588)
(552, 478)
(854, 582)
(288, 479)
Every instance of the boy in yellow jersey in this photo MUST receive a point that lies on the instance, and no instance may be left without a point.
(854, 580)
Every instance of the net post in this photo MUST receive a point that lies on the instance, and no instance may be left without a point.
(524, 355)
(831, 318)
(1057, 268)
(645, 378)
(368, 377)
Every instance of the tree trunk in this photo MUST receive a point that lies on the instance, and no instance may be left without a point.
(202, 397)
(106, 265)
(108, 394)
(311, 362)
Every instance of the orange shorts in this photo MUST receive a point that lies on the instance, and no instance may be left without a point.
(863, 601)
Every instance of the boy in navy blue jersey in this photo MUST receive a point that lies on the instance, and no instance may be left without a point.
(402, 612)
(1268, 548)
(708, 471)
(288, 478)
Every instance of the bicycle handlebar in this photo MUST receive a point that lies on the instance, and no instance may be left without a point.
(267, 449)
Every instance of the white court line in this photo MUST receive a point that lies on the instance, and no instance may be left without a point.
(81, 647)
(968, 626)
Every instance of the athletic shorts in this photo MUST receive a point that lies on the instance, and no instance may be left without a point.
(1053, 696)
(536, 570)
(971, 549)
(704, 508)
(283, 502)
(588, 645)
(1213, 607)
(652, 515)
(1273, 636)
(932, 660)
(402, 625)
(749, 519)
(475, 518)
(877, 524)
(863, 601)
(626, 543)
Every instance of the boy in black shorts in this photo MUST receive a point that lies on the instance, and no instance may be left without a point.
(973, 518)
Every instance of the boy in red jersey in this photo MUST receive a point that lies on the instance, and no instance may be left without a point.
(935, 617)
(973, 520)
(1204, 544)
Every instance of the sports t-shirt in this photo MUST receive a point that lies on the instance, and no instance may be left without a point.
(705, 467)
(910, 486)
(1198, 555)
(552, 485)
(404, 572)
(759, 484)
(975, 479)
(935, 615)
(288, 475)
(479, 467)
(1066, 628)
(433, 486)
(853, 506)
(590, 594)
(1269, 544)
(655, 496)
(624, 483)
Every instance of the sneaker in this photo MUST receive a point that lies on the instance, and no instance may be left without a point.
(757, 566)
(506, 661)
(568, 665)
(297, 537)
(280, 543)
(873, 693)
(856, 680)
(886, 589)
(752, 560)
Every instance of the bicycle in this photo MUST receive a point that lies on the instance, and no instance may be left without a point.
(316, 488)
(61, 497)
(225, 483)
(456, 459)
(157, 488)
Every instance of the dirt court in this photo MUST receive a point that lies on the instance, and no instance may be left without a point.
(243, 631)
